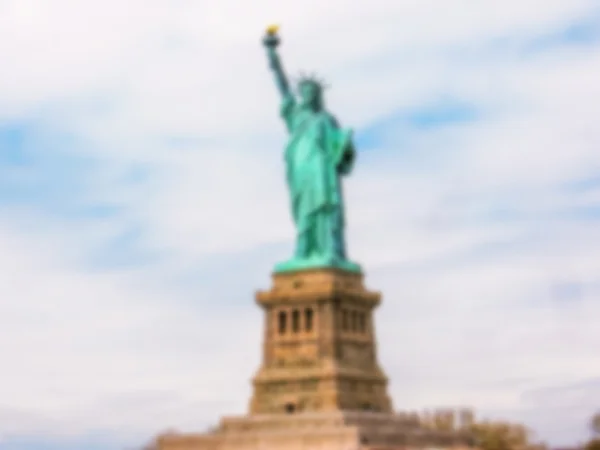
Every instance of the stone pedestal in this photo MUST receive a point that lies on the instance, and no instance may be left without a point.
(319, 385)
(319, 346)
(316, 431)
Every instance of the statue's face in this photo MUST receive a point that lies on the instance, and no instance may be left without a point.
(310, 95)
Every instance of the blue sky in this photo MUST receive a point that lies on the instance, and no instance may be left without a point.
(136, 141)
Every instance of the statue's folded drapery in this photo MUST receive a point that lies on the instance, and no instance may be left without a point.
(317, 153)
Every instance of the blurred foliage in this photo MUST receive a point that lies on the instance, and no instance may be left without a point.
(594, 444)
(595, 424)
(488, 434)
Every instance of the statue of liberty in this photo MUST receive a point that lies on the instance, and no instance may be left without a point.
(317, 155)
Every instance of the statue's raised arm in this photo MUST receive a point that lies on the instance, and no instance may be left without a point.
(271, 41)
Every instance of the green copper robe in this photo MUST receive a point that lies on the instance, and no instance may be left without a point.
(318, 153)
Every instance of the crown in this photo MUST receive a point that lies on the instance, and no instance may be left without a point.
(312, 78)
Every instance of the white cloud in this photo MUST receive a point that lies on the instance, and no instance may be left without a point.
(75, 342)
(131, 349)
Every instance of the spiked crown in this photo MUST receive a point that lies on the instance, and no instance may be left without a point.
(312, 78)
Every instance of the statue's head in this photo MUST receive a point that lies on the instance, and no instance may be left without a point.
(310, 91)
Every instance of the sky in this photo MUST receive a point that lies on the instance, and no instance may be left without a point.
(143, 202)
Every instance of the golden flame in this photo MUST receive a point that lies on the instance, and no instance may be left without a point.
(272, 29)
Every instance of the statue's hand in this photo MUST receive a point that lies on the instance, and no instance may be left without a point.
(271, 40)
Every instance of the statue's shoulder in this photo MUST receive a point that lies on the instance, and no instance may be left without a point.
(329, 119)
